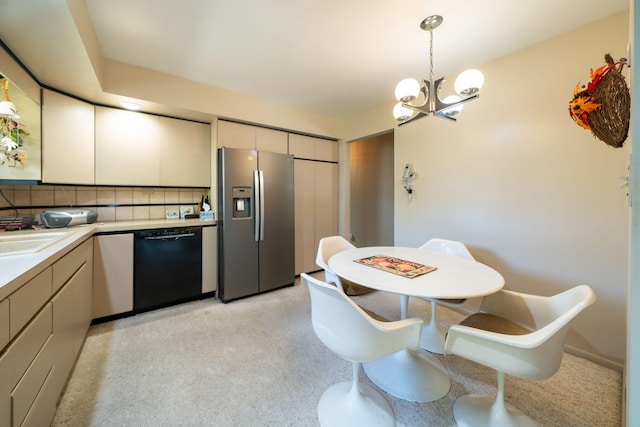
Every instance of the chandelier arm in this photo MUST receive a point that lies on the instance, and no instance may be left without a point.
(425, 92)
(444, 116)
(420, 115)
(443, 105)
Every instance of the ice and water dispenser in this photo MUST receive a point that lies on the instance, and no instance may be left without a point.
(242, 202)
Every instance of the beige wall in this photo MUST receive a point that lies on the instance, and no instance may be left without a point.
(534, 195)
(371, 191)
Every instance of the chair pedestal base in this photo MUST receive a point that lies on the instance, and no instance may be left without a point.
(483, 411)
(432, 337)
(341, 406)
(412, 375)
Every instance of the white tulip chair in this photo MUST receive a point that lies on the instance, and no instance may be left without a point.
(348, 331)
(516, 334)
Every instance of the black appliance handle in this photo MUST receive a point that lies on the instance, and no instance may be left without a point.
(176, 237)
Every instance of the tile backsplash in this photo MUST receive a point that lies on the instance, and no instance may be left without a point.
(111, 203)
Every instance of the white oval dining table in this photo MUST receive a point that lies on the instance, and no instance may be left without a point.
(416, 375)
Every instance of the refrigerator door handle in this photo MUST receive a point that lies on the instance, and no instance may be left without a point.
(261, 206)
(257, 204)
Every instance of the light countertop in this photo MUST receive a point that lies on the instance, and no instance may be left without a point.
(15, 270)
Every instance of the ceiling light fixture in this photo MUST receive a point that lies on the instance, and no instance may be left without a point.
(130, 105)
(467, 85)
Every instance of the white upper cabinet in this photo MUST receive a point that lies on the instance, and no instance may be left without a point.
(272, 140)
(309, 147)
(238, 135)
(67, 140)
(146, 150)
(127, 149)
(185, 153)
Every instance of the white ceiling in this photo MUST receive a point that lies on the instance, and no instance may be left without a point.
(334, 57)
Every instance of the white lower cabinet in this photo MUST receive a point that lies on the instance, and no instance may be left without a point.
(209, 259)
(112, 274)
(34, 366)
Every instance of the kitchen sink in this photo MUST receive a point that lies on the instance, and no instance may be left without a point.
(27, 243)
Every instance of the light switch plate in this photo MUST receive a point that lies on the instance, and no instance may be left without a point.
(172, 214)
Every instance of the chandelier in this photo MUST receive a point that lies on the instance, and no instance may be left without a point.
(467, 85)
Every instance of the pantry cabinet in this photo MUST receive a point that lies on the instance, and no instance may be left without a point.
(316, 196)
(50, 319)
(67, 140)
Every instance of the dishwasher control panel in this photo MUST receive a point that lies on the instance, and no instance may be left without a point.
(165, 233)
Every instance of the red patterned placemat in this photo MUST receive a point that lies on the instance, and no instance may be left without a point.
(397, 266)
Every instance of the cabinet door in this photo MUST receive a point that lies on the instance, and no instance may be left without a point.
(127, 150)
(63, 325)
(26, 301)
(326, 150)
(326, 200)
(112, 274)
(4, 323)
(236, 135)
(82, 304)
(67, 140)
(185, 153)
(17, 358)
(302, 146)
(272, 140)
(209, 259)
(305, 212)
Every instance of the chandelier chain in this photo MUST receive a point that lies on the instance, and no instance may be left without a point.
(431, 55)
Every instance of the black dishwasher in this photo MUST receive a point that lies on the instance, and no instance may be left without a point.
(167, 267)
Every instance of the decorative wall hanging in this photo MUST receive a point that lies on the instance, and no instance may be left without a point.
(20, 134)
(11, 134)
(604, 105)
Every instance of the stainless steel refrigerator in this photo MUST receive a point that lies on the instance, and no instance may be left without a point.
(256, 222)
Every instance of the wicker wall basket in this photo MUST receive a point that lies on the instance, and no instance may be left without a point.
(611, 100)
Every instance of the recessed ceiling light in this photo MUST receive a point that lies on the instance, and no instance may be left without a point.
(130, 105)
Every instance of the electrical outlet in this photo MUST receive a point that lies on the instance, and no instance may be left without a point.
(172, 214)
(186, 210)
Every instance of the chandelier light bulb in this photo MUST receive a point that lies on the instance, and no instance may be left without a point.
(452, 111)
(469, 82)
(407, 90)
(402, 113)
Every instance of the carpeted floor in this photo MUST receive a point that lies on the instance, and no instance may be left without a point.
(257, 362)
